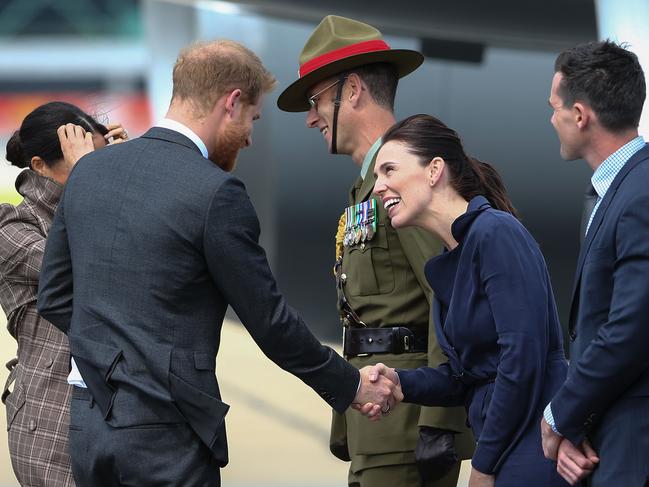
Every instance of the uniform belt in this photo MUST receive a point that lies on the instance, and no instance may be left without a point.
(395, 339)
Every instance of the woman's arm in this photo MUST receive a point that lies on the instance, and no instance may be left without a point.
(428, 386)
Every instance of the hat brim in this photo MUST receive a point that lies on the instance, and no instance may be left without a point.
(294, 97)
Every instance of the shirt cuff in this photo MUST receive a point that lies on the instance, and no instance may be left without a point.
(549, 418)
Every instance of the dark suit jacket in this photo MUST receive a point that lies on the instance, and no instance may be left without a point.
(497, 323)
(150, 244)
(609, 317)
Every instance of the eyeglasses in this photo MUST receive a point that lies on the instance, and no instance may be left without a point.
(313, 99)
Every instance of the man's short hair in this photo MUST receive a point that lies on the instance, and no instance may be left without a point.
(607, 77)
(205, 71)
(381, 80)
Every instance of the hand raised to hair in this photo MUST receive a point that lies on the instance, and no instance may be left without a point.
(75, 143)
(117, 132)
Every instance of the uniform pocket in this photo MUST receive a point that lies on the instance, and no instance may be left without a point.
(369, 268)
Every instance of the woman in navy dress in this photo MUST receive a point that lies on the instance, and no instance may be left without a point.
(494, 311)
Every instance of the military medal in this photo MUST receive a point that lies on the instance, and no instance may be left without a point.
(360, 223)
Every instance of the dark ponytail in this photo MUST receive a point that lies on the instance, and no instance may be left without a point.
(491, 185)
(37, 134)
(427, 137)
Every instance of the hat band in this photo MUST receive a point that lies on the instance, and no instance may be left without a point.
(342, 53)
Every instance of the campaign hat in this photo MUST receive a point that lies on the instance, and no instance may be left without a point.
(339, 44)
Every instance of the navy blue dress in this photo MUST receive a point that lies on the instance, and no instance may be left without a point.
(497, 323)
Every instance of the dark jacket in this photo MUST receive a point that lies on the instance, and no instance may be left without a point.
(497, 323)
(609, 328)
(150, 244)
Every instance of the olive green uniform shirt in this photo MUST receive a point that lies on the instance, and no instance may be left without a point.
(384, 283)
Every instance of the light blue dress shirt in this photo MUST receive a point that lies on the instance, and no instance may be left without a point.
(369, 156)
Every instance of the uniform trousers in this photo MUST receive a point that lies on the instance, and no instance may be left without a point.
(405, 475)
(156, 455)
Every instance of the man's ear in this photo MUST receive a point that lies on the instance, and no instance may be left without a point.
(582, 115)
(355, 88)
(232, 101)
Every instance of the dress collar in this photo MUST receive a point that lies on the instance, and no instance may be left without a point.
(461, 225)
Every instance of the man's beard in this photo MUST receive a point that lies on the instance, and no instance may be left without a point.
(228, 146)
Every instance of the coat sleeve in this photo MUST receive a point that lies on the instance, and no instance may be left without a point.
(419, 246)
(514, 278)
(240, 269)
(22, 247)
(55, 282)
(430, 386)
(617, 356)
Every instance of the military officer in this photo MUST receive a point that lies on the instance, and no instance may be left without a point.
(347, 83)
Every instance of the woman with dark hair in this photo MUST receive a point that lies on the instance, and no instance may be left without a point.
(49, 142)
(494, 311)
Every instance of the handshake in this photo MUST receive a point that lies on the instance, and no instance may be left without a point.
(379, 392)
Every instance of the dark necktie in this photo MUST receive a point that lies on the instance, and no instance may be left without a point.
(590, 199)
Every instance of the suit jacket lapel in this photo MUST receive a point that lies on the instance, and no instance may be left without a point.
(638, 157)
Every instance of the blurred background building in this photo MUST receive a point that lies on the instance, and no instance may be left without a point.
(487, 74)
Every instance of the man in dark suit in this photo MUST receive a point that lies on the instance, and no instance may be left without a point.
(597, 425)
(150, 244)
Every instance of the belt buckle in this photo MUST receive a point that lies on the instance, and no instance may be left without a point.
(401, 341)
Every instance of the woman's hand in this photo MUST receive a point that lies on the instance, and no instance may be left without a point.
(479, 479)
(375, 373)
(75, 143)
(116, 132)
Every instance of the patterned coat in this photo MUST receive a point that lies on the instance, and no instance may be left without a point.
(38, 406)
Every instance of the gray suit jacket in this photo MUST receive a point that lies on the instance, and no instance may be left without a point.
(150, 244)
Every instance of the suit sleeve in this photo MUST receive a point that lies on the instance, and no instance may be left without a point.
(240, 269)
(55, 282)
(419, 246)
(513, 275)
(617, 356)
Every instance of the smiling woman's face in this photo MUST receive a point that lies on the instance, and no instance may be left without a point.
(402, 184)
